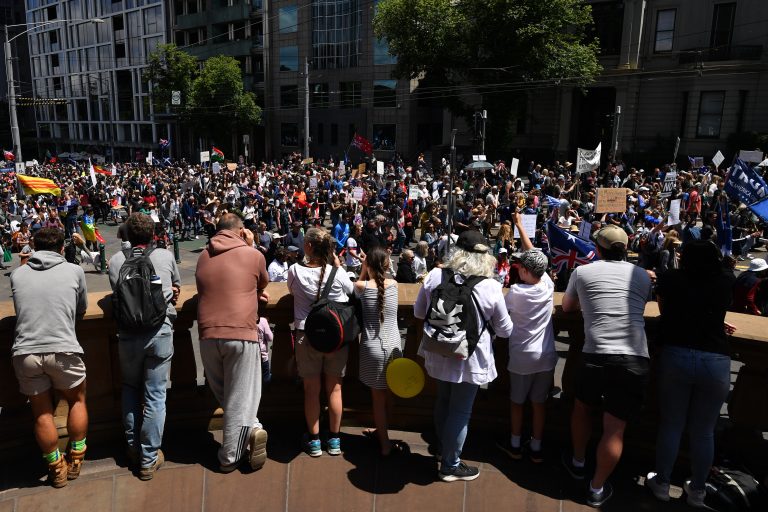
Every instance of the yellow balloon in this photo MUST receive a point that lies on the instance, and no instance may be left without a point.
(405, 378)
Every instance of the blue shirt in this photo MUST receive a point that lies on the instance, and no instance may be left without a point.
(341, 233)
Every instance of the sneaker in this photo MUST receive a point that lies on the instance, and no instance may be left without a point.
(577, 473)
(258, 448)
(148, 472)
(535, 456)
(74, 463)
(695, 497)
(506, 447)
(659, 489)
(57, 473)
(598, 499)
(333, 446)
(312, 447)
(460, 472)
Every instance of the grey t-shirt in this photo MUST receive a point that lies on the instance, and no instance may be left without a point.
(612, 295)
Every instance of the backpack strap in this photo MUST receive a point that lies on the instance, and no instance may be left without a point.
(473, 281)
(329, 283)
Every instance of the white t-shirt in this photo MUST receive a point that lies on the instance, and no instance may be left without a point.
(532, 342)
(419, 265)
(278, 272)
(351, 249)
(302, 283)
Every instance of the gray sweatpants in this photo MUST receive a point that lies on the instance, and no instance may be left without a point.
(233, 372)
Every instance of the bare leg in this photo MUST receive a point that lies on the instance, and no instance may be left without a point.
(581, 429)
(312, 404)
(380, 398)
(609, 449)
(539, 415)
(45, 430)
(77, 420)
(517, 419)
(335, 406)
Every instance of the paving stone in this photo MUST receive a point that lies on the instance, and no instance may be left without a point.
(330, 484)
(171, 489)
(410, 483)
(493, 491)
(229, 492)
(91, 495)
(6, 506)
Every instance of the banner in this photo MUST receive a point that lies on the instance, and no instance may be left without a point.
(744, 183)
(751, 156)
(588, 159)
(611, 200)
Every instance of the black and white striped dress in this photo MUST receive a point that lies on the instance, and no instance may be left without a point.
(380, 341)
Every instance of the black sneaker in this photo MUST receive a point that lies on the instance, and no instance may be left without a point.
(577, 473)
(460, 472)
(506, 447)
(597, 499)
(535, 456)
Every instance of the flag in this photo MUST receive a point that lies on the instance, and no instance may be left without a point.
(744, 184)
(164, 143)
(91, 233)
(100, 170)
(362, 144)
(724, 231)
(760, 209)
(93, 172)
(553, 202)
(35, 185)
(588, 159)
(568, 250)
(217, 155)
(9, 155)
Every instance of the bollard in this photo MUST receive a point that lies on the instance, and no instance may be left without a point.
(103, 258)
(176, 252)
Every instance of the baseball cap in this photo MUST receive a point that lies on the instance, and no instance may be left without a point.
(472, 241)
(534, 261)
(758, 265)
(611, 235)
(292, 248)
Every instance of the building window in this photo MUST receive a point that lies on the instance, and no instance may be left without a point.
(665, 30)
(334, 134)
(722, 25)
(385, 93)
(288, 19)
(336, 33)
(381, 56)
(384, 137)
(710, 114)
(289, 134)
(289, 58)
(319, 95)
(320, 133)
(350, 95)
(289, 96)
(608, 23)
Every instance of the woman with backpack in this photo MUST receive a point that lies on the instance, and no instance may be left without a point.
(466, 278)
(305, 282)
(380, 340)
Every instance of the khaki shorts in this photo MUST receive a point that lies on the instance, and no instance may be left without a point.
(37, 373)
(312, 363)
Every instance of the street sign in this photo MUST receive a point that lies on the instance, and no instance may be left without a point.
(175, 97)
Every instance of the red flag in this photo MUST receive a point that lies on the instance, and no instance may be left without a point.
(100, 170)
(362, 144)
(9, 155)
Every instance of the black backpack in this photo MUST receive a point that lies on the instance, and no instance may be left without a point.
(330, 325)
(731, 490)
(138, 302)
(451, 328)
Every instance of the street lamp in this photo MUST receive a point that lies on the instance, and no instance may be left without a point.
(9, 74)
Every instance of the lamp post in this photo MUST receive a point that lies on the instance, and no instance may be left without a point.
(9, 75)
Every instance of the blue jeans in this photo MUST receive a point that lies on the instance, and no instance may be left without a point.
(452, 412)
(693, 386)
(145, 363)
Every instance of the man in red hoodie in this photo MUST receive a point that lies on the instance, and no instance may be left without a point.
(231, 277)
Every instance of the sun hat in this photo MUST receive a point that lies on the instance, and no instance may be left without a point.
(611, 235)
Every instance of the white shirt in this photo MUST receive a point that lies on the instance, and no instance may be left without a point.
(302, 283)
(419, 265)
(532, 342)
(278, 272)
(351, 261)
(480, 367)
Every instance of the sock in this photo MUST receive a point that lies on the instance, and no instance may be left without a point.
(593, 490)
(52, 457)
(577, 463)
(331, 435)
(515, 441)
(314, 437)
(78, 445)
(535, 444)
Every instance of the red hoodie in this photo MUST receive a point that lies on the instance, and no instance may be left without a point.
(229, 275)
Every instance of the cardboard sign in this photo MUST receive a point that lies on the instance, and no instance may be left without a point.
(357, 193)
(361, 169)
(670, 182)
(414, 192)
(751, 156)
(529, 225)
(307, 161)
(718, 159)
(698, 161)
(611, 200)
(380, 168)
(513, 167)
(231, 166)
(674, 212)
(205, 156)
(313, 182)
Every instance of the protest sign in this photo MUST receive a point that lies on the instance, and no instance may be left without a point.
(588, 159)
(670, 181)
(611, 200)
(361, 169)
(307, 161)
(231, 166)
(696, 161)
(357, 193)
(205, 156)
(674, 212)
(585, 230)
(751, 156)
(380, 168)
(529, 225)
(413, 192)
(149, 158)
(718, 159)
(513, 167)
(313, 182)
(216, 167)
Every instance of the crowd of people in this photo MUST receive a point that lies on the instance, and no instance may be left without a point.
(334, 231)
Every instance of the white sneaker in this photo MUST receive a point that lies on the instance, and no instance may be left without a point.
(695, 496)
(659, 489)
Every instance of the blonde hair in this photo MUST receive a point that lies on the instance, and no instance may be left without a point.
(471, 263)
(321, 250)
(422, 249)
(505, 232)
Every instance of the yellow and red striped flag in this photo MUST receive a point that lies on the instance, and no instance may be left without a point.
(34, 185)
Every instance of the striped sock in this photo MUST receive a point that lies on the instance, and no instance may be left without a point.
(78, 445)
(52, 457)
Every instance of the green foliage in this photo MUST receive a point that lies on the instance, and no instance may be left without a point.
(170, 69)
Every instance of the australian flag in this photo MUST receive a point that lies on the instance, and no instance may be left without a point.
(567, 250)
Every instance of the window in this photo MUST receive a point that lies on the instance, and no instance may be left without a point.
(608, 19)
(288, 19)
(289, 96)
(350, 95)
(385, 93)
(381, 56)
(710, 114)
(665, 30)
(684, 113)
(289, 134)
(334, 134)
(722, 25)
(319, 95)
(320, 133)
(336, 33)
(289, 58)
(384, 137)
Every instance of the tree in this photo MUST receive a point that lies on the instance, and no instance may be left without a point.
(500, 47)
(218, 102)
(170, 69)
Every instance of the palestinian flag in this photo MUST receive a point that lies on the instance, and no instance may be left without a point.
(217, 155)
(34, 185)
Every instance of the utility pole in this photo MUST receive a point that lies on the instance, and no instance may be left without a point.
(306, 107)
(616, 126)
(484, 117)
(450, 192)
(12, 98)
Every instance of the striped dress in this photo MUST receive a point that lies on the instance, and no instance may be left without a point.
(380, 341)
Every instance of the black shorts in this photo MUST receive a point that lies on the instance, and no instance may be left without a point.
(614, 381)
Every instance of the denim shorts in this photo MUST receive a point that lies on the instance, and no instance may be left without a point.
(616, 382)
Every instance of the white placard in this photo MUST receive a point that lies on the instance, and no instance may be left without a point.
(205, 156)
(149, 158)
(313, 182)
(751, 156)
(414, 192)
(29, 163)
(718, 159)
(529, 225)
(19, 167)
(380, 168)
(585, 230)
(357, 193)
(674, 212)
(513, 167)
(216, 167)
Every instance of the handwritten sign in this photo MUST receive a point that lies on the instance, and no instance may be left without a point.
(670, 182)
(205, 156)
(361, 169)
(674, 212)
(585, 230)
(529, 225)
(414, 192)
(313, 182)
(611, 200)
(232, 166)
(357, 193)
(307, 161)
(718, 159)
(216, 167)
